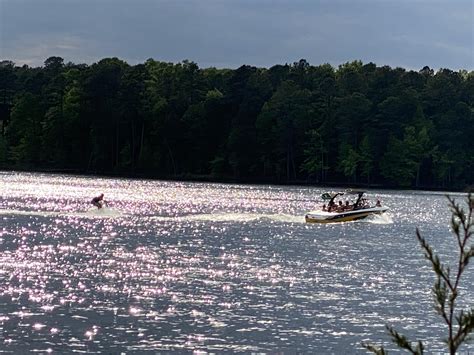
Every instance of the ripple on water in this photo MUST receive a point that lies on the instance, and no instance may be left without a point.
(207, 267)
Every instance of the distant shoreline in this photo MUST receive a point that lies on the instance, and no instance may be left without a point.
(229, 180)
(291, 124)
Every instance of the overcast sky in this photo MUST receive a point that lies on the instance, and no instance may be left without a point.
(227, 34)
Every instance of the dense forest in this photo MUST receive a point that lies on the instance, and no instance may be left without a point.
(356, 124)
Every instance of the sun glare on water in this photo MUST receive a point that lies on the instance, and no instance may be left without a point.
(171, 266)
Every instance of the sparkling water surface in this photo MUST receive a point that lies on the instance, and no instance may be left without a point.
(182, 267)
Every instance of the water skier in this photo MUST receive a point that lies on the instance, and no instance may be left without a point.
(98, 201)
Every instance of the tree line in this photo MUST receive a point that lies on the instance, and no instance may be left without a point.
(354, 124)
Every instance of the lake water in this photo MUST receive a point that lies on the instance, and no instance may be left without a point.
(211, 267)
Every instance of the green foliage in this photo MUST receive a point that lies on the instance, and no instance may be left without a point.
(366, 159)
(357, 123)
(447, 287)
(282, 124)
(403, 158)
(3, 151)
(348, 160)
(314, 152)
(25, 130)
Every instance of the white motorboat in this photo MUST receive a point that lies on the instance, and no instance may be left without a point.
(343, 213)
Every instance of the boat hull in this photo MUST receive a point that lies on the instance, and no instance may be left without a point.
(332, 217)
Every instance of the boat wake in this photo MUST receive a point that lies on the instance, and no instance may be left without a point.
(235, 217)
(91, 213)
(106, 212)
(384, 218)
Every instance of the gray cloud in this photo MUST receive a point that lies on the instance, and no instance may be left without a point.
(226, 33)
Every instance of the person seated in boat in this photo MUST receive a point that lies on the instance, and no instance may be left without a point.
(340, 207)
(378, 204)
(348, 207)
(98, 201)
(331, 206)
(324, 208)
